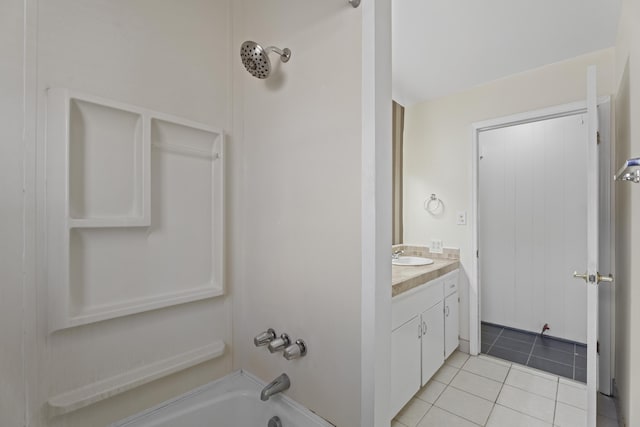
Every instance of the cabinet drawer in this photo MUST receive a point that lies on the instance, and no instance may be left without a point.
(415, 301)
(450, 283)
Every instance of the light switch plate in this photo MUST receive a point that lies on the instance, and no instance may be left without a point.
(436, 246)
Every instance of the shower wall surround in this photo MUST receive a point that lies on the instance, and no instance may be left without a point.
(148, 102)
(299, 238)
(16, 276)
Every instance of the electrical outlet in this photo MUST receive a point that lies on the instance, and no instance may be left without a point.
(436, 246)
(461, 218)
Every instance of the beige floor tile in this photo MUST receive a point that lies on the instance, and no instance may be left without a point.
(486, 368)
(477, 385)
(496, 360)
(502, 416)
(413, 412)
(572, 396)
(445, 374)
(527, 403)
(457, 359)
(536, 384)
(463, 397)
(534, 371)
(573, 383)
(430, 392)
(465, 405)
(437, 417)
(569, 416)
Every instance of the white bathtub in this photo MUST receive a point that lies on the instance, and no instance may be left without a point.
(232, 401)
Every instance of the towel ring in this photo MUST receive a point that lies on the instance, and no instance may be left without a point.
(433, 205)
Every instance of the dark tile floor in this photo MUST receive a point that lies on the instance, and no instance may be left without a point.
(559, 357)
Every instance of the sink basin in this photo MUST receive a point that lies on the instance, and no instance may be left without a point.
(411, 260)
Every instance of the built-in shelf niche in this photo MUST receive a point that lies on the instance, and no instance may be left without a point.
(134, 209)
(102, 139)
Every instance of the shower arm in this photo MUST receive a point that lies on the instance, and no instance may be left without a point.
(285, 54)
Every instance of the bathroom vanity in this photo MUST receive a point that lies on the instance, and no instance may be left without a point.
(424, 316)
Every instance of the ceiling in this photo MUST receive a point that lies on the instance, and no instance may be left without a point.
(442, 47)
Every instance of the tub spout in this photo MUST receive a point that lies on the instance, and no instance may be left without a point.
(276, 386)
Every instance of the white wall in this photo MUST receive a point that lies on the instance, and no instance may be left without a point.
(12, 151)
(296, 243)
(438, 147)
(164, 56)
(627, 209)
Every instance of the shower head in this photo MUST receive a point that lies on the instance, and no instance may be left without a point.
(255, 58)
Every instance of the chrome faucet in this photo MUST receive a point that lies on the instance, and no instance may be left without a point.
(396, 254)
(276, 386)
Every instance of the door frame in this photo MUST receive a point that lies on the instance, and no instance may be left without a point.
(511, 120)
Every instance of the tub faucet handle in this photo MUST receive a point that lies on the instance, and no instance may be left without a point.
(264, 338)
(279, 343)
(295, 350)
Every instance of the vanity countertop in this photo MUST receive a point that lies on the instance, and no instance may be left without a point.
(404, 278)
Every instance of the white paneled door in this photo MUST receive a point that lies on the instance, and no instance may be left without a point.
(532, 221)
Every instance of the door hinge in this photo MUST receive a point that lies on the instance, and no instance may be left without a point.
(477, 253)
(598, 347)
(598, 137)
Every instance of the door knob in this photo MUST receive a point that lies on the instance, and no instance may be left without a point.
(608, 278)
(584, 276)
(598, 278)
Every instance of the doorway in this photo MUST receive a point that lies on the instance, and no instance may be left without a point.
(530, 230)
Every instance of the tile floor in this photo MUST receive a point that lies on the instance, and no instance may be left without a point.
(485, 391)
(563, 358)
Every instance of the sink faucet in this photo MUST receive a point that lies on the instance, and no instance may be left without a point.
(396, 254)
(276, 386)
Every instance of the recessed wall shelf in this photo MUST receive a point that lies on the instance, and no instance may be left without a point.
(129, 191)
(630, 171)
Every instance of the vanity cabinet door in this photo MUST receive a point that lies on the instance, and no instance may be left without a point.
(451, 341)
(432, 341)
(405, 363)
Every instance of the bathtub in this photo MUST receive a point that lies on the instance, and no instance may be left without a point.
(232, 401)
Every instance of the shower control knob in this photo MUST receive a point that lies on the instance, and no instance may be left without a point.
(264, 338)
(279, 343)
(295, 350)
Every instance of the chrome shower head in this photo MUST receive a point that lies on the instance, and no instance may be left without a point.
(255, 58)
